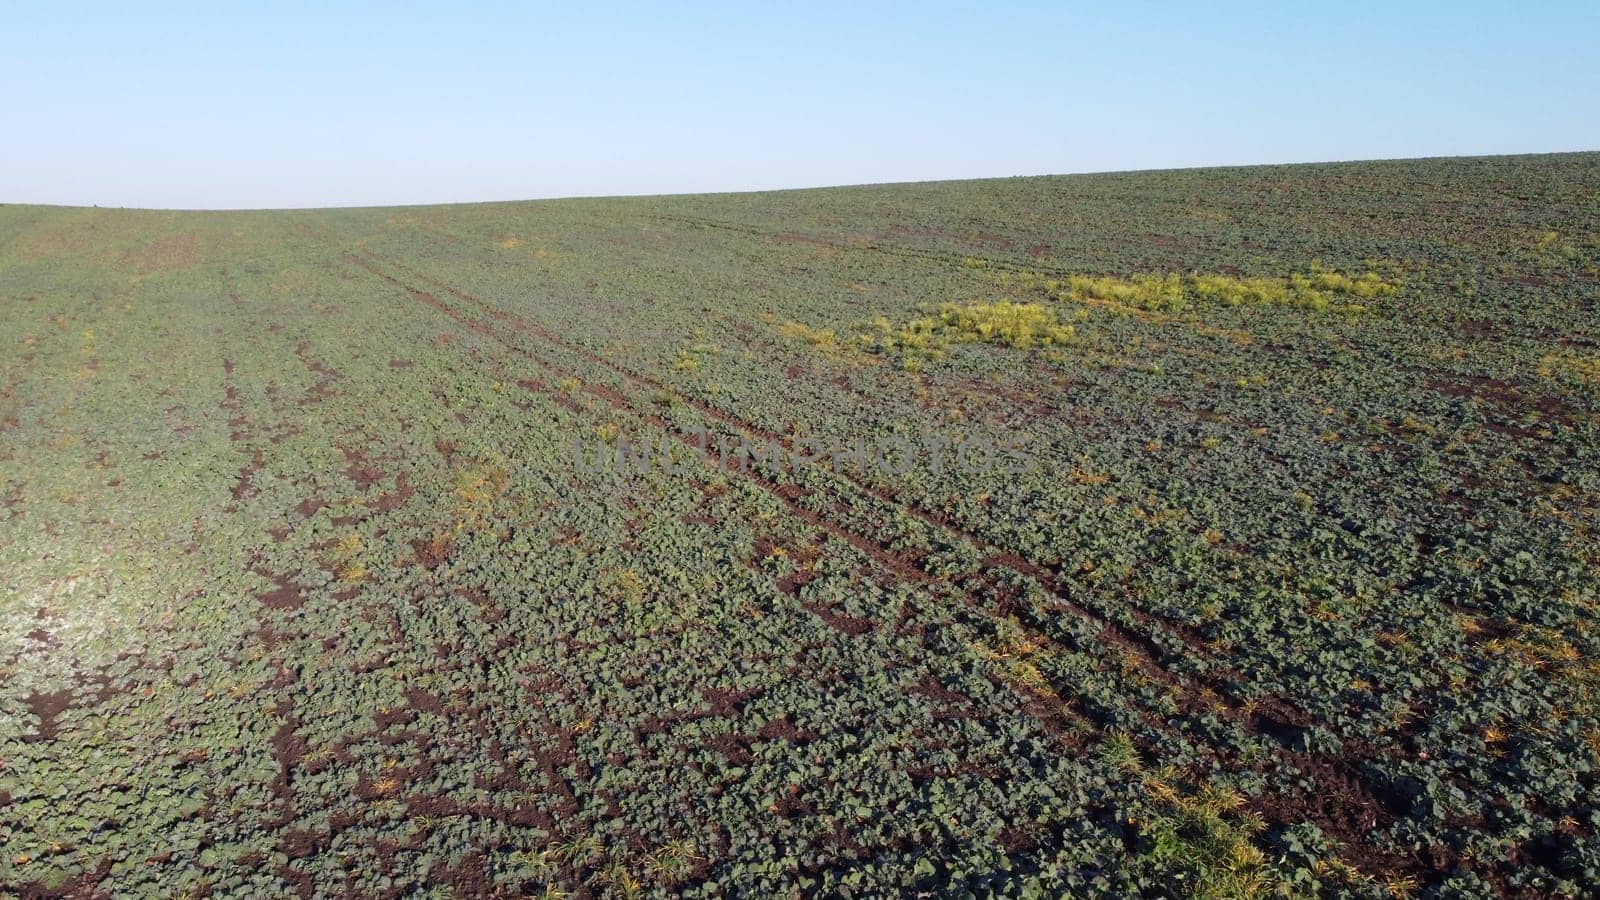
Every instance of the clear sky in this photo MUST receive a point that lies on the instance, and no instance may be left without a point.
(321, 104)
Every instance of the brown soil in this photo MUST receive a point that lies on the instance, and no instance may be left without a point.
(287, 594)
(47, 707)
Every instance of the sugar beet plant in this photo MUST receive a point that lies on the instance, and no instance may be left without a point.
(306, 594)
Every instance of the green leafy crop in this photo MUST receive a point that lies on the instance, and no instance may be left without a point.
(305, 591)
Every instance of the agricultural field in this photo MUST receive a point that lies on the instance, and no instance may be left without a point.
(1216, 533)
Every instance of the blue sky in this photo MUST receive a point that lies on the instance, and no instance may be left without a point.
(290, 104)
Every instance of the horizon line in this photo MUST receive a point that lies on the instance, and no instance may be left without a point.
(801, 188)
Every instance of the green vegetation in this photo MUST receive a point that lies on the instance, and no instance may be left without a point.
(302, 591)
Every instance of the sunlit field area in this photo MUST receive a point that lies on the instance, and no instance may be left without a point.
(1220, 532)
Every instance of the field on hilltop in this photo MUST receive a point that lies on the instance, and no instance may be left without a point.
(1211, 532)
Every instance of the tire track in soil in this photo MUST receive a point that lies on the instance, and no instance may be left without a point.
(1046, 578)
(787, 494)
(1063, 723)
(1265, 715)
(1054, 716)
(886, 557)
(1258, 716)
(1274, 814)
(1364, 806)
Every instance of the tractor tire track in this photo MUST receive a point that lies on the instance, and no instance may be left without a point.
(1268, 719)
(1267, 715)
